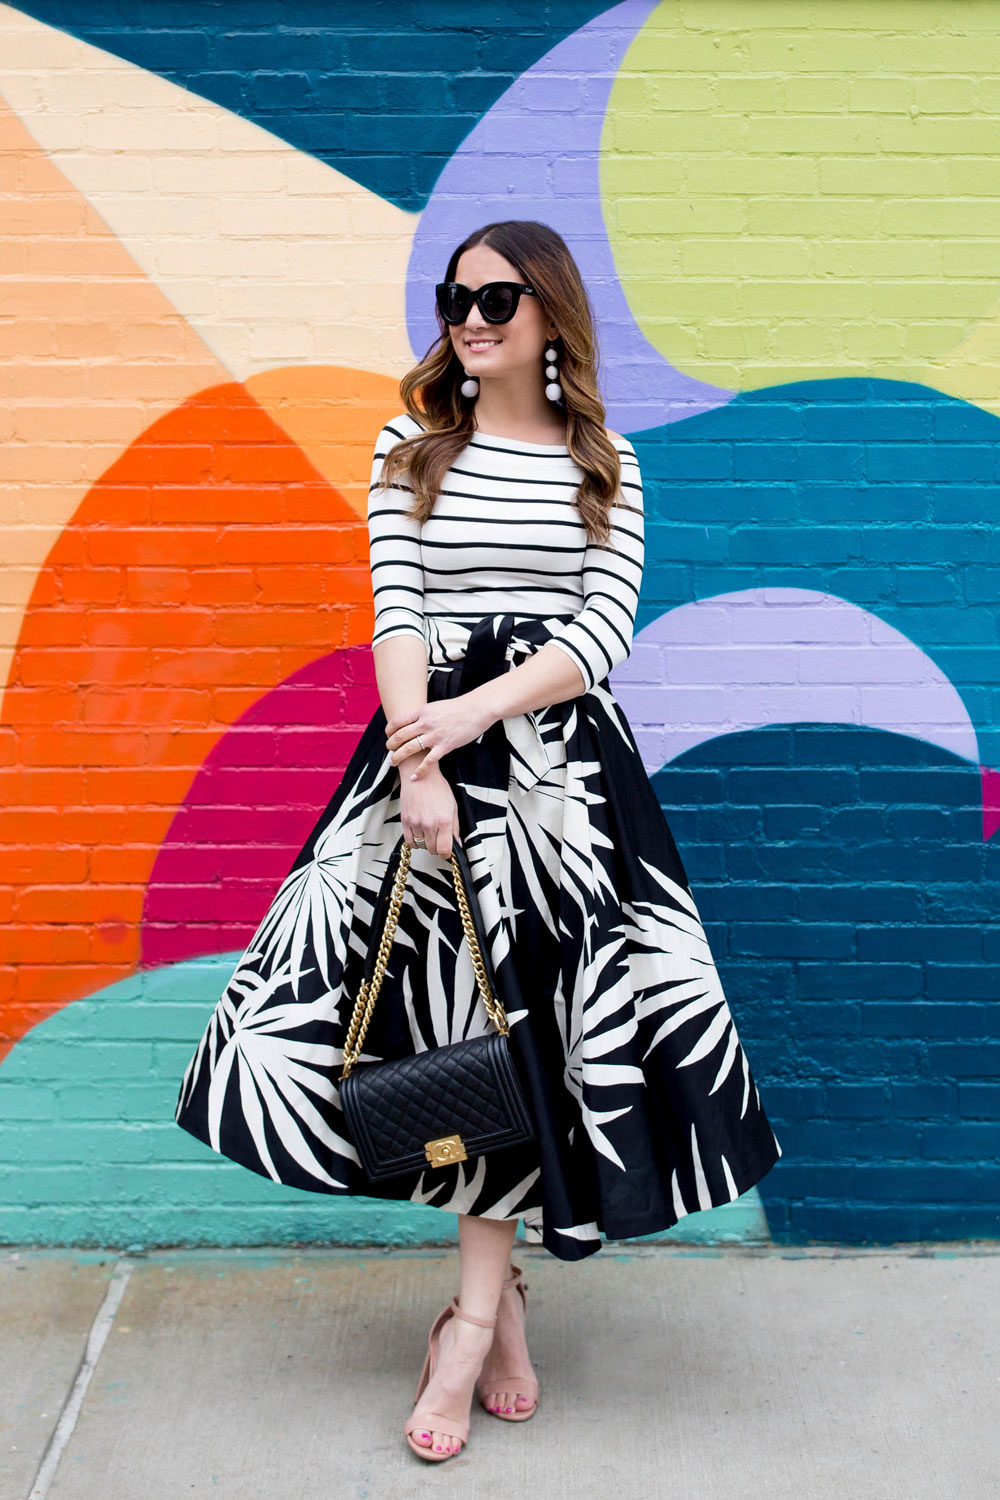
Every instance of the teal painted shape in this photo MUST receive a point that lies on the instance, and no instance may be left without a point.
(879, 492)
(385, 94)
(92, 1154)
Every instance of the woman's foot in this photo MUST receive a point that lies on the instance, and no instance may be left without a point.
(509, 1351)
(462, 1348)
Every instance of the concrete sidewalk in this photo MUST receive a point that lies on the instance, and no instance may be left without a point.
(688, 1372)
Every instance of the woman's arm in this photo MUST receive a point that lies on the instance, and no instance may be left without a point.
(401, 675)
(548, 676)
(399, 648)
(394, 551)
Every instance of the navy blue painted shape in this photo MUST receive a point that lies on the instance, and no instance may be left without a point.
(385, 90)
(851, 903)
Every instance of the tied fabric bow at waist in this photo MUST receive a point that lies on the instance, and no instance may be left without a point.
(512, 746)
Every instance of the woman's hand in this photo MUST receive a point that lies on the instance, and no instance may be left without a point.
(428, 810)
(444, 725)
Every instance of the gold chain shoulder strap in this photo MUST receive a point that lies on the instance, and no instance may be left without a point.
(365, 1003)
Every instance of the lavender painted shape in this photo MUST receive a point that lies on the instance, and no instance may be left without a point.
(536, 155)
(781, 656)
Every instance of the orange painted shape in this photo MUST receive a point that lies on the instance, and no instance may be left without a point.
(92, 350)
(334, 415)
(165, 608)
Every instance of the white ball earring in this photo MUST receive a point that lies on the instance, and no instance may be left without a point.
(553, 390)
(470, 385)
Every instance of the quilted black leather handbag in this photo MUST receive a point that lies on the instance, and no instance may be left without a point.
(445, 1104)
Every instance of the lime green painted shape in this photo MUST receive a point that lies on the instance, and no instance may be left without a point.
(795, 191)
(91, 1153)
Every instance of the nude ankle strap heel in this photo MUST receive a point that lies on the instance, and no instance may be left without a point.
(429, 1420)
(468, 1317)
(524, 1384)
(514, 1279)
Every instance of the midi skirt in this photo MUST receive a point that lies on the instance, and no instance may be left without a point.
(642, 1099)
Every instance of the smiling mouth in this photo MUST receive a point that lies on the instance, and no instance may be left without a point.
(476, 344)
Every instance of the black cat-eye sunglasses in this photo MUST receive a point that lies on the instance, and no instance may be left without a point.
(496, 300)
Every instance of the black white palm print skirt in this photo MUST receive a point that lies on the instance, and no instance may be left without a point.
(644, 1105)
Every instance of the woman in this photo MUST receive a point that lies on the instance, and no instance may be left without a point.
(507, 546)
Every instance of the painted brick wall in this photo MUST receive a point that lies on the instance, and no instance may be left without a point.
(216, 247)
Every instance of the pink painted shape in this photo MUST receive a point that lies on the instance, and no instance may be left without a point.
(252, 806)
(991, 801)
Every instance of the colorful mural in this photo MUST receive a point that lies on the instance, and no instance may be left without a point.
(217, 249)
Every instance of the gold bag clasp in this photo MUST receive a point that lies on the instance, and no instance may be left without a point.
(441, 1153)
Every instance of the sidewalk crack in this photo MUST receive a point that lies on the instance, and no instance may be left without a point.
(99, 1330)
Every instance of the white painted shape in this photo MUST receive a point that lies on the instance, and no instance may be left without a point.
(272, 256)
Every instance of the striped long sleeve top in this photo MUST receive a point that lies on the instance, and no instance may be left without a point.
(506, 538)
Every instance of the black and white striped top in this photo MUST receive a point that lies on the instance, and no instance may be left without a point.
(506, 538)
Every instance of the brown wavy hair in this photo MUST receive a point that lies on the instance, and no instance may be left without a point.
(431, 389)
